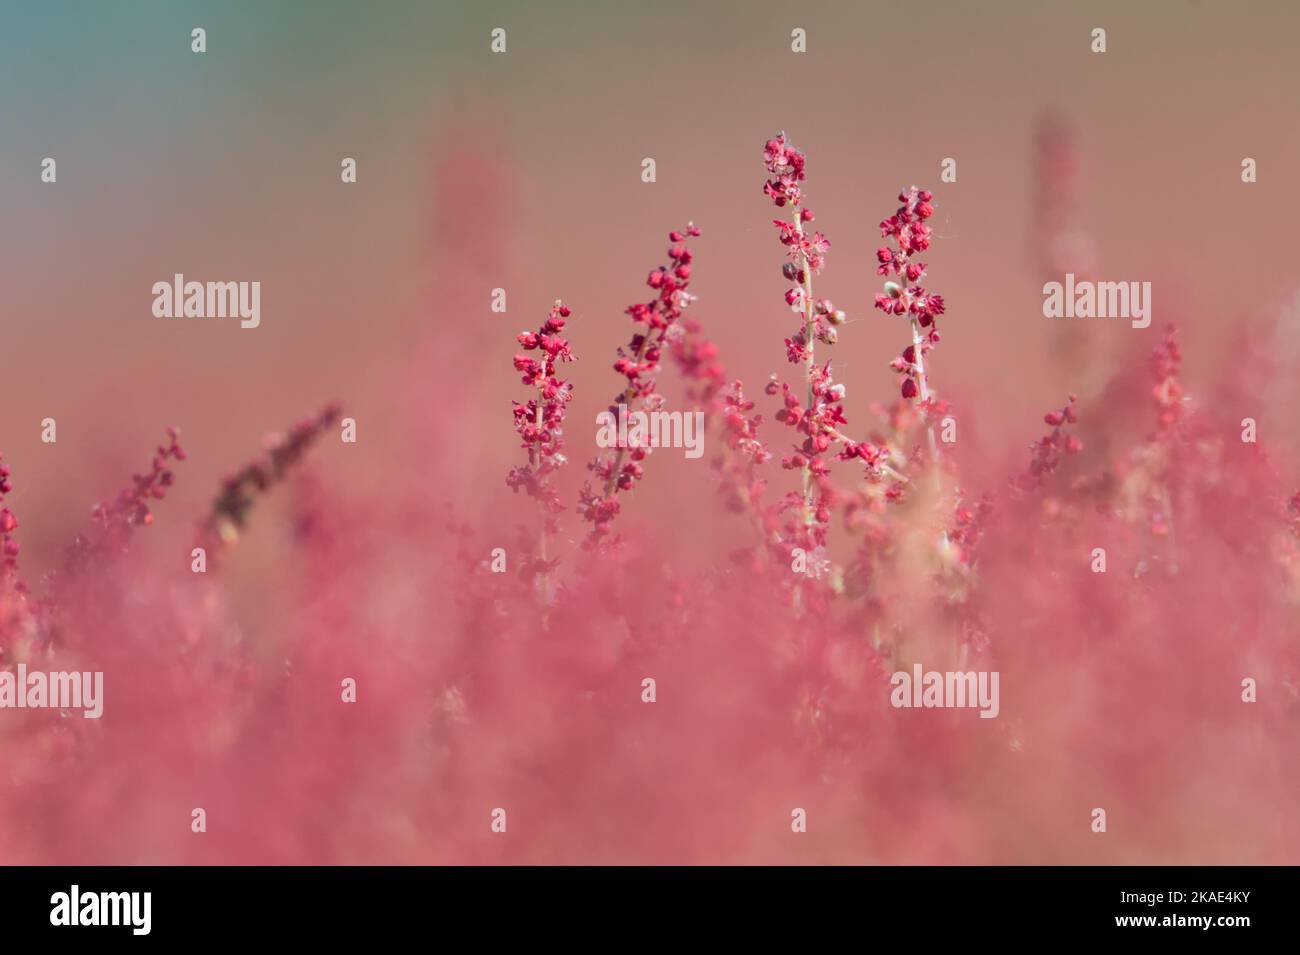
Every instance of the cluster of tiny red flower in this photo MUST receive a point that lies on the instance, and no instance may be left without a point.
(740, 480)
(785, 165)
(658, 327)
(115, 521)
(1049, 450)
(911, 236)
(8, 524)
(539, 421)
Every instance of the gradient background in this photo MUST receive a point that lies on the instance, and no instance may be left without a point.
(226, 166)
(522, 171)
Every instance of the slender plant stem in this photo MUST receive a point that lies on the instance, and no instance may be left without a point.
(919, 361)
(884, 466)
(623, 399)
(809, 342)
(535, 461)
(924, 387)
(917, 339)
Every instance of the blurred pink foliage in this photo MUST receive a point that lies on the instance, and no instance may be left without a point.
(476, 690)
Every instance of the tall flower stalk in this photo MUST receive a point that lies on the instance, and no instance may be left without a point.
(815, 409)
(15, 612)
(115, 521)
(902, 296)
(539, 423)
(8, 524)
(658, 330)
(241, 489)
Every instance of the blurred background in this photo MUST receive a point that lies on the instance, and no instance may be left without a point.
(522, 171)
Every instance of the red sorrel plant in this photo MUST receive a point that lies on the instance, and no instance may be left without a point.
(28, 626)
(539, 423)
(1046, 454)
(911, 236)
(617, 471)
(95, 551)
(8, 524)
(1049, 450)
(820, 417)
(815, 408)
(15, 612)
(739, 467)
(241, 489)
(114, 522)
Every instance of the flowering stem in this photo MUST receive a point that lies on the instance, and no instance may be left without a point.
(535, 460)
(541, 429)
(626, 396)
(908, 229)
(929, 426)
(241, 491)
(809, 330)
(884, 466)
(639, 362)
(924, 387)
